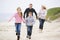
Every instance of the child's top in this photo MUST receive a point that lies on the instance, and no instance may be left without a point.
(42, 14)
(18, 19)
(30, 21)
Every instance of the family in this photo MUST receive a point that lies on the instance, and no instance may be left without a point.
(29, 19)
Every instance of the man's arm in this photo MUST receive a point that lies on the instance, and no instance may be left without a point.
(25, 12)
(35, 12)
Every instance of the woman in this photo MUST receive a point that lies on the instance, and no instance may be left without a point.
(42, 17)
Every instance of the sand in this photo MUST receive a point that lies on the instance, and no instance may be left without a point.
(51, 31)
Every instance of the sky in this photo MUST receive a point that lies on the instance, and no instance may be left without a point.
(8, 7)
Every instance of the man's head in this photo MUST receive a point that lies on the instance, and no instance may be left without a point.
(30, 5)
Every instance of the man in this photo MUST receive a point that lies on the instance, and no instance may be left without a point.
(28, 10)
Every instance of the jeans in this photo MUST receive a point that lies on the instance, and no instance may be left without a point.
(41, 23)
(18, 28)
(29, 30)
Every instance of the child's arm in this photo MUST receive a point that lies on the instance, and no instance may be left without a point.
(10, 19)
(26, 20)
(23, 20)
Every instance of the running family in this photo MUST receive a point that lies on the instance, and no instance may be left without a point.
(29, 19)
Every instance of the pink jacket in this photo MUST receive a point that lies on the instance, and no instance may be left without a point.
(18, 19)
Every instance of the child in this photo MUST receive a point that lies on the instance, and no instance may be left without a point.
(18, 20)
(29, 23)
(42, 17)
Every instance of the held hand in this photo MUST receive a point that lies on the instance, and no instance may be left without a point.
(37, 18)
(24, 22)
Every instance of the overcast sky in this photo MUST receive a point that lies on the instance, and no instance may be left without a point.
(8, 7)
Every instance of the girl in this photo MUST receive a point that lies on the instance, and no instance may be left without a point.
(18, 20)
(42, 17)
(29, 24)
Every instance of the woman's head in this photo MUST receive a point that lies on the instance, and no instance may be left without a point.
(43, 7)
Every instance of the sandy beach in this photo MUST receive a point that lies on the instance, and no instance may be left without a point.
(51, 31)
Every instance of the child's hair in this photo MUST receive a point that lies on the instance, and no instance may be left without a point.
(18, 8)
(30, 12)
(30, 4)
(44, 7)
(20, 12)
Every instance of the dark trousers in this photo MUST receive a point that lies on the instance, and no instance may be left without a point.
(41, 21)
(29, 30)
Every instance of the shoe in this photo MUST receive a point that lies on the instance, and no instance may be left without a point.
(16, 33)
(29, 37)
(18, 37)
(40, 30)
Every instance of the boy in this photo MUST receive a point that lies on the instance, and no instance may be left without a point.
(29, 24)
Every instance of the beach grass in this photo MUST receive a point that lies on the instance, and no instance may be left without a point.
(53, 13)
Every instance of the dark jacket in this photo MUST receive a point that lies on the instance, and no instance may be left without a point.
(29, 10)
